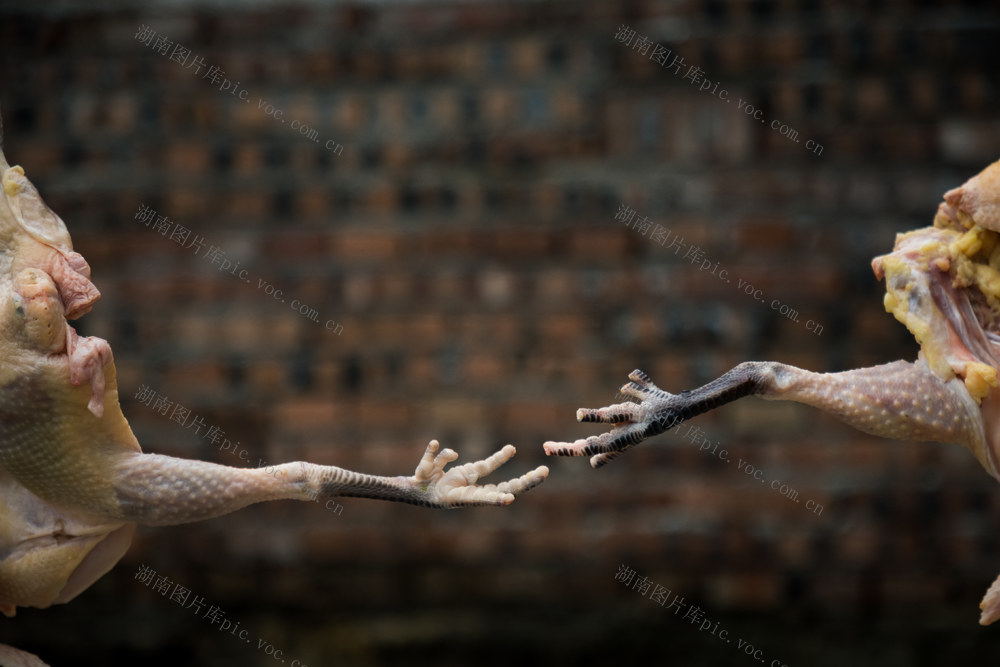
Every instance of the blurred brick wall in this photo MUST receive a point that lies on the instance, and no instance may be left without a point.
(460, 228)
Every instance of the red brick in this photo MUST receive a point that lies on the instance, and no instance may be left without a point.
(381, 198)
(187, 157)
(197, 378)
(598, 243)
(564, 329)
(247, 204)
(351, 113)
(267, 377)
(748, 591)
(484, 369)
(518, 243)
(873, 99)
(310, 415)
(366, 245)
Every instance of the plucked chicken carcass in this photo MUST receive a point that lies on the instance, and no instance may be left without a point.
(73, 481)
(943, 283)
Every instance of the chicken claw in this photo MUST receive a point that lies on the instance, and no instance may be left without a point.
(658, 411)
(457, 487)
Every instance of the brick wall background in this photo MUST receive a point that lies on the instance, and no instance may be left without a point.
(460, 228)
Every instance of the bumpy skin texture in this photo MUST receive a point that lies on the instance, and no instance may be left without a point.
(943, 283)
(73, 479)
